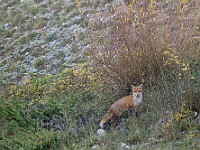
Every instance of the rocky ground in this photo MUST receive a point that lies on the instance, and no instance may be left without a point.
(44, 36)
(41, 36)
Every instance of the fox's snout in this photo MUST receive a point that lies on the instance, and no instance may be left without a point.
(137, 94)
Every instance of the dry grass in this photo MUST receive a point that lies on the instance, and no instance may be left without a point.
(154, 43)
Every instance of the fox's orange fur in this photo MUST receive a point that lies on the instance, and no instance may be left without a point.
(121, 105)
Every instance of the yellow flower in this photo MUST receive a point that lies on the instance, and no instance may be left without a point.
(190, 135)
(26, 81)
(185, 69)
(192, 78)
(177, 61)
(179, 76)
(185, 65)
(166, 52)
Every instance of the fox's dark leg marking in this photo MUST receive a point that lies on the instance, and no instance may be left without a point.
(114, 121)
(136, 114)
(134, 109)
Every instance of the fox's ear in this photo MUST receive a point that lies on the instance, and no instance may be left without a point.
(141, 85)
(132, 86)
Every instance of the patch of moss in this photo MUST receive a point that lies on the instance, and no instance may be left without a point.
(39, 63)
(38, 51)
(39, 23)
(23, 40)
(9, 33)
(34, 10)
(50, 37)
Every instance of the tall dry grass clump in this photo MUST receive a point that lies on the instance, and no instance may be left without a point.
(155, 43)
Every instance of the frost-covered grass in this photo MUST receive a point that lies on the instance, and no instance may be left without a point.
(36, 30)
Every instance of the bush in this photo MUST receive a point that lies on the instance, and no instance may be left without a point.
(139, 43)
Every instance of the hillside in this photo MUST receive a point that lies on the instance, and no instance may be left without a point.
(40, 37)
(63, 63)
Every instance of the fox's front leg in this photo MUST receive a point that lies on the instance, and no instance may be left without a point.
(134, 109)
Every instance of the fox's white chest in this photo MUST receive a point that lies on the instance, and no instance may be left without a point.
(137, 100)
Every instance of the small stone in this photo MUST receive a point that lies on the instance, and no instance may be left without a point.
(7, 26)
(101, 132)
(125, 146)
(95, 147)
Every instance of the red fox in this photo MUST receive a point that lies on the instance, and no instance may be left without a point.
(121, 105)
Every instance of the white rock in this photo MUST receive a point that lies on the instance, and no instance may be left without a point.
(125, 146)
(95, 147)
(101, 132)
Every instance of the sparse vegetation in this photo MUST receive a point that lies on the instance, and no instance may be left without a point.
(149, 42)
(39, 63)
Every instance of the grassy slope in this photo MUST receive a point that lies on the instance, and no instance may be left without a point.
(27, 122)
(39, 37)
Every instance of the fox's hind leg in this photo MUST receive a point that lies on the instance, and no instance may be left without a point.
(114, 121)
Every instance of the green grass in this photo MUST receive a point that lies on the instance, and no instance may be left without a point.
(21, 120)
(73, 100)
(79, 111)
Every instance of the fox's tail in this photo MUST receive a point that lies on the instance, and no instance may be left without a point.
(106, 118)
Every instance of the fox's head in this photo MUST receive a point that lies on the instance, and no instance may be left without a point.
(137, 91)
